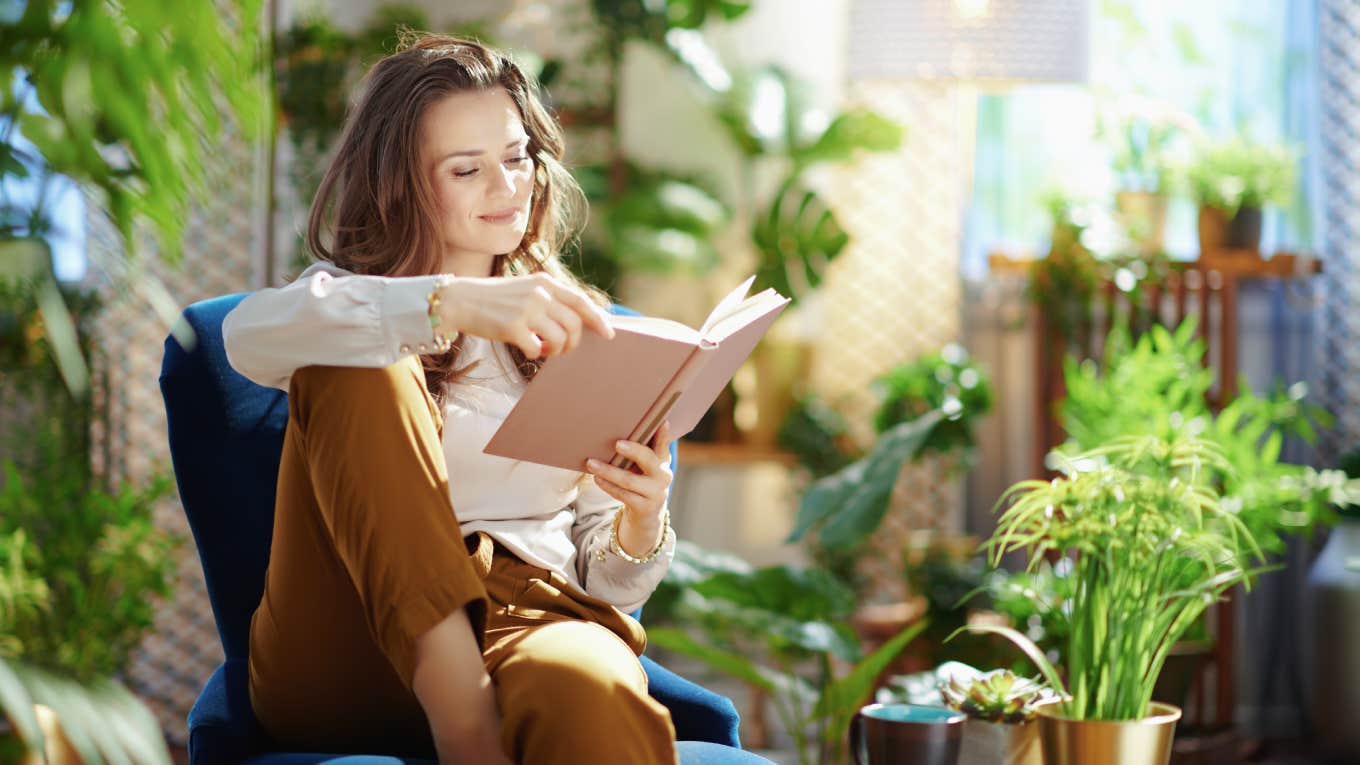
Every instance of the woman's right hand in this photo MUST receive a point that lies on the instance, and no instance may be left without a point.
(540, 314)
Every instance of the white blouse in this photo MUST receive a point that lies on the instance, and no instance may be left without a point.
(554, 518)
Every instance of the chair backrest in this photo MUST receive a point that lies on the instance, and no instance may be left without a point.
(226, 438)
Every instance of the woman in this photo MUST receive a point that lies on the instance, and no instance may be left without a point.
(421, 593)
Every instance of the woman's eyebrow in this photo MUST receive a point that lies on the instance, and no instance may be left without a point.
(479, 152)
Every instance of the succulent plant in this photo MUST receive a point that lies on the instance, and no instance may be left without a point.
(999, 696)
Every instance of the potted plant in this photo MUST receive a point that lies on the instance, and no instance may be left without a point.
(1142, 133)
(1151, 545)
(1001, 708)
(1232, 181)
(927, 406)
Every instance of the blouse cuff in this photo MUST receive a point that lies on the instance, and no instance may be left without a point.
(406, 314)
(624, 584)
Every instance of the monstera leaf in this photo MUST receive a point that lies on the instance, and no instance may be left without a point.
(848, 132)
(797, 237)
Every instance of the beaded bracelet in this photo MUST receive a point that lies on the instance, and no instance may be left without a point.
(442, 340)
(617, 548)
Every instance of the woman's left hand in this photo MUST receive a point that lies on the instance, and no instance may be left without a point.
(643, 494)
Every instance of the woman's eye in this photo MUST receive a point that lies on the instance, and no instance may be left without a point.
(467, 173)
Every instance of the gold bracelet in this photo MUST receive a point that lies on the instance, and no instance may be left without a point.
(617, 548)
(442, 340)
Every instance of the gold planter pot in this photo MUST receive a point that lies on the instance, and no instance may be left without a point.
(1084, 742)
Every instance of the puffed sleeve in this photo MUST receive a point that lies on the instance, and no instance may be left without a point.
(329, 317)
(602, 573)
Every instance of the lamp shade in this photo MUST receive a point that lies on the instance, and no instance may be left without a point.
(973, 40)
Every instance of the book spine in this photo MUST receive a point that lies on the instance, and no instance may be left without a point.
(656, 413)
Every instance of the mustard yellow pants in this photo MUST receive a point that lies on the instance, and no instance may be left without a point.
(367, 556)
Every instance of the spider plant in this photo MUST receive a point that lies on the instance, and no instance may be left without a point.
(1151, 546)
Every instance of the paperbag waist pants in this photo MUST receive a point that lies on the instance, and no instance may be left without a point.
(367, 556)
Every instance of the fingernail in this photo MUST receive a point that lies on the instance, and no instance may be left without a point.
(594, 463)
(620, 444)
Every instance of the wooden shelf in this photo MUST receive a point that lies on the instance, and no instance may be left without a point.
(702, 453)
(1242, 264)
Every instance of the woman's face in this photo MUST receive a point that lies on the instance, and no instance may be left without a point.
(473, 145)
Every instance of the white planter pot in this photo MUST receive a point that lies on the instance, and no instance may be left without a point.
(987, 743)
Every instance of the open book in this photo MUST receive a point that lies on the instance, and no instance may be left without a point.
(653, 369)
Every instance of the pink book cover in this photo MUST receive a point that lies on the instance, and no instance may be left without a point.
(580, 403)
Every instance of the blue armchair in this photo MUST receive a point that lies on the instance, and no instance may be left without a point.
(226, 435)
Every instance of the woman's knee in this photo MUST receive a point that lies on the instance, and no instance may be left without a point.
(575, 692)
(397, 386)
(571, 667)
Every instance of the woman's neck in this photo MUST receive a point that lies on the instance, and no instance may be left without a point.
(469, 264)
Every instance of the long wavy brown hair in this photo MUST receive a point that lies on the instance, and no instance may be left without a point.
(375, 211)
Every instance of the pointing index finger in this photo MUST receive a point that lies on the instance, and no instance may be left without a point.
(591, 315)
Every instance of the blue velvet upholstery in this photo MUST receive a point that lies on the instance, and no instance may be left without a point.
(691, 753)
(226, 436)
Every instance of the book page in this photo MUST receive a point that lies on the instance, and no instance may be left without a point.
(744, 313)
(728, 304)
(656, 327)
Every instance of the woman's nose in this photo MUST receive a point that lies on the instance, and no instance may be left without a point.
(505, 182)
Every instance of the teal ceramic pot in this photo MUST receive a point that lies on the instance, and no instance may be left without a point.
(906, 734)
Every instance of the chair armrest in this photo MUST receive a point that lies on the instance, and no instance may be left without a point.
(698, 713)
(707, 753)
(222, 725)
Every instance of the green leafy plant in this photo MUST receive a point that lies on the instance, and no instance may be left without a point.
(126, 100)
(1141, 133)
(927, 406)
(848, 505)
(999, 696)
(1063, 283)
(947, 381)
(950, 575)
(1036, 602)
(1151, 546)
(1157, 385)
(1089, 248)
(80, 561)
(1237, 173)
(816, 434)
(101, 557)
(1350, 465)
(794, 231)
(767, 627)
(665, 223)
